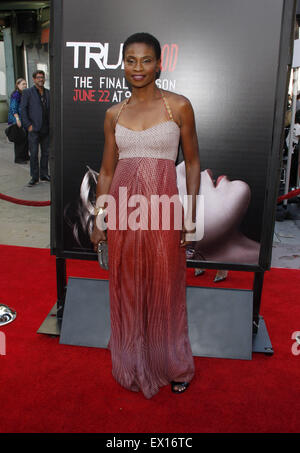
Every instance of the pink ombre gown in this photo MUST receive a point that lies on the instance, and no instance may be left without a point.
(149, 340)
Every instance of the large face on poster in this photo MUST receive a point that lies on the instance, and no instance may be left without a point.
(220, 56)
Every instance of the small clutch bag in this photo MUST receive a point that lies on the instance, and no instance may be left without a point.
(103, 255)
(189, 252)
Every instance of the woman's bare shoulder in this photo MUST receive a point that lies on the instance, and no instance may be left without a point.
(177, 99)
(111, 116)
(113, 111)
(180, 106)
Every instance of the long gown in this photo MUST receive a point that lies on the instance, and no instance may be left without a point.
(149, 340)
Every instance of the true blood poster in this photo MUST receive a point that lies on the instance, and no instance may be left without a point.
(223, 56)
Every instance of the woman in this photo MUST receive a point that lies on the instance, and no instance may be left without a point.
(149, 340)
(14, 117)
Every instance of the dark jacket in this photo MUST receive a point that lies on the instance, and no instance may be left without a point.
(31, 108)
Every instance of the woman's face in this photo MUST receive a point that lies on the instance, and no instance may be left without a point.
(225, 203)
(22, 85)
(140, 64)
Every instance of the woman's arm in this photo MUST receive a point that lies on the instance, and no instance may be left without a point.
(189, 142)
(107, 170)
(14, 107)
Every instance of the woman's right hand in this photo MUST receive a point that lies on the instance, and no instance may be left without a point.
(97, 236)
(19, 124)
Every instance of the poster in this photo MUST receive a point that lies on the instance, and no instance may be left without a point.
(223, 56)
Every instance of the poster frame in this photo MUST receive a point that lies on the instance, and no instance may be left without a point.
(274, 158)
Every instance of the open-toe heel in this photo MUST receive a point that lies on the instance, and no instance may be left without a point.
(182, 386)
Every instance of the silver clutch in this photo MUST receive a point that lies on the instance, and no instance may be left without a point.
(103, 255)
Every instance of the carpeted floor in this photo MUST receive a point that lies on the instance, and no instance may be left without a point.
(48, 387)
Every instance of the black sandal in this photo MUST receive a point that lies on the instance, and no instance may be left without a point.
(183, 385)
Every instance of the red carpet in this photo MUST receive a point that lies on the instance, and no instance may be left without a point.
(48, 387)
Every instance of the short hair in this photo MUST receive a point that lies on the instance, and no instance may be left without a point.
(39, 71)
(144, 38)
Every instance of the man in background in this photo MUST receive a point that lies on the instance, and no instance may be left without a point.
(35, 113)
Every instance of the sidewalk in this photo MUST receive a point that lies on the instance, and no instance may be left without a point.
(30, 226)
(21, 225)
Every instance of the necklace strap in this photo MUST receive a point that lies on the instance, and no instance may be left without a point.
(120, 110)
(167, 105)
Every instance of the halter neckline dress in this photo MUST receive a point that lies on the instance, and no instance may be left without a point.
(149, 340)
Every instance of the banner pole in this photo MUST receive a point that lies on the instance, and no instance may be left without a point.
(61, 278)
(257, 292)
